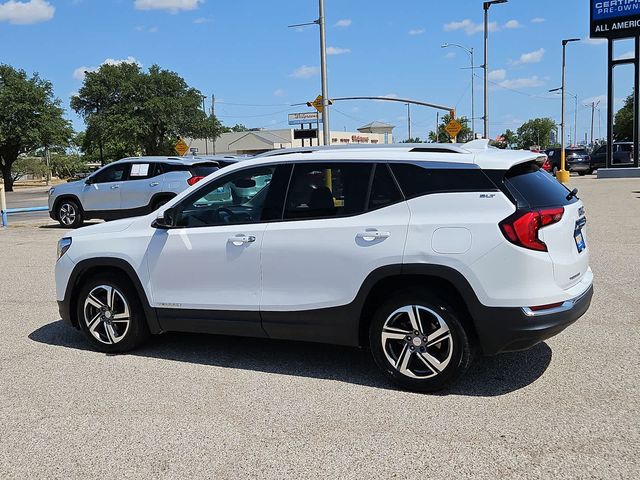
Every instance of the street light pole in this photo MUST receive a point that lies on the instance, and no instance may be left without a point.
(323, 71)
(486, 6)
(473, 102)
(204, 110)
(563, 175)
(409, 120)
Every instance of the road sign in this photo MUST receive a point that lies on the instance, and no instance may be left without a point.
(453, 128)
(181, 147)
(303, 118)
(317, 103)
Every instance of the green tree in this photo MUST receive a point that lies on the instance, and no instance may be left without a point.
(509, 139)
(30, 118)
(536, 131)
(66, 166)
(128, 111)
(412, 140)
(623, 121)
(238, 127)
(443, 136)
(28, 165)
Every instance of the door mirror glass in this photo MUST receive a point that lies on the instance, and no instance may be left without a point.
(88, 181)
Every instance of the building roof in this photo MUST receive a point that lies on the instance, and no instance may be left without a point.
(377, 124)
(267, 137)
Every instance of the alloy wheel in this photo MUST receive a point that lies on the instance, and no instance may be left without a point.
(107, 314)
(417, 341)
(67, 214)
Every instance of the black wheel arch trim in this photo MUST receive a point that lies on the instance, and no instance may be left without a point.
(66, 306)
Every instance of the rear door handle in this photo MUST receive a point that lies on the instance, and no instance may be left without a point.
(115, 187)
(371, 235)
(242, 239)
(154, 184)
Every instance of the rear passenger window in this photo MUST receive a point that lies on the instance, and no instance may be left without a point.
(417, 180)
(534, 188)
(327, 190)
(384, 190)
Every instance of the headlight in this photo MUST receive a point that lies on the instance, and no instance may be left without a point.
(63, 246)
(51, 190)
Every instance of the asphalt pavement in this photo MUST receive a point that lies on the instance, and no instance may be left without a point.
(198, 406)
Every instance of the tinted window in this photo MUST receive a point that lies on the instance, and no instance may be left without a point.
(417, 180)
(625, 148)
(232, 199)
(327, 190)
(576, 151)
(113, 173)
(384, 190)
(534, 188)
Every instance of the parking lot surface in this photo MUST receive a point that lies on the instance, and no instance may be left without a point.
(197, 406)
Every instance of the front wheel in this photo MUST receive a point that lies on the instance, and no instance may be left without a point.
(110, 313)
(69, 214)
(418, 341)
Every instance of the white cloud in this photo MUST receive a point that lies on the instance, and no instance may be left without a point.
(416, 31)
(528, 82)
(531, 57)
(79, 73)
(538, 20)
(173, 6)
(450, 55)
(626, 55)
(595, 41)
(305, 71)
(24, 13)
(337, 50)
(345, 22)
(201, 20)
(279, 92)
(511, 24)
(143, 28)
(497, 75)
(469, 27)
(391, 95)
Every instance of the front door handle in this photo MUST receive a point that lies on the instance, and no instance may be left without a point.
(241, 239)
(115, 187)
(371, 235)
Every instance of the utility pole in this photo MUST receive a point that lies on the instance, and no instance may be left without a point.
(204, 110)
(409, 120)
(486, 6)
(213, 115)
(323, 71)
(473, 74)
(594, 105)
(437, 130)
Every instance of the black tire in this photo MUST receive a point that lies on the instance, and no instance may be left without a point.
(69, 214)
(582, 174)
(448, 359)
(118, 336)
(158, 203)
(554, 172)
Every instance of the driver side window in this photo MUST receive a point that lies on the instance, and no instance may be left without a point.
(235, 198)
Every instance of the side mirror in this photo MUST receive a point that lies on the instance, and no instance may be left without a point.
(88, 181)
(165, 220)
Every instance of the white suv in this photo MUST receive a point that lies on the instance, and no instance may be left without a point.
(126, 188)
(423, 253)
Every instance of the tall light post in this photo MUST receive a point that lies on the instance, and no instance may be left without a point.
(204, 110)
(563, 175)
(473, 103)
(323, 70)
(486, 6)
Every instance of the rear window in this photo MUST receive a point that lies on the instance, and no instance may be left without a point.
(534, 188)
(203, 169)
(576, 151)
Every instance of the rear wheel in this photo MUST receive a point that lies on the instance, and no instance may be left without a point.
(418, 341)
(69, 214)
(554, 171)
(110, 313)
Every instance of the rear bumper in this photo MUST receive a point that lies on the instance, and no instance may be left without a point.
(512, 329)
(579, 167)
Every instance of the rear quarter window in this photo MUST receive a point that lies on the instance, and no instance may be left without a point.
(535, 188)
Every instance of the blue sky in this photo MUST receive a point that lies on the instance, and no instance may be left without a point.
(243, 52)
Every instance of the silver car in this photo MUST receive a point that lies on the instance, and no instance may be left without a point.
(126, 188)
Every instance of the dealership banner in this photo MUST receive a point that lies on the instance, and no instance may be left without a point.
(615, 18)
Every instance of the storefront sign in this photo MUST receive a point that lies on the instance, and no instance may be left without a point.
(615, 18)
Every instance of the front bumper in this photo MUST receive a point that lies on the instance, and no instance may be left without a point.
(512, 329)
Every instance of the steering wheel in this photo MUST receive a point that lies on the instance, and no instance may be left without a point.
(228, 213)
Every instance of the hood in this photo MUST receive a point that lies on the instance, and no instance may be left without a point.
(74, 186)
(104, 228)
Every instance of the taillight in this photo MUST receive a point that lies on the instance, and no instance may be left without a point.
(522, 227)
(195, 179)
